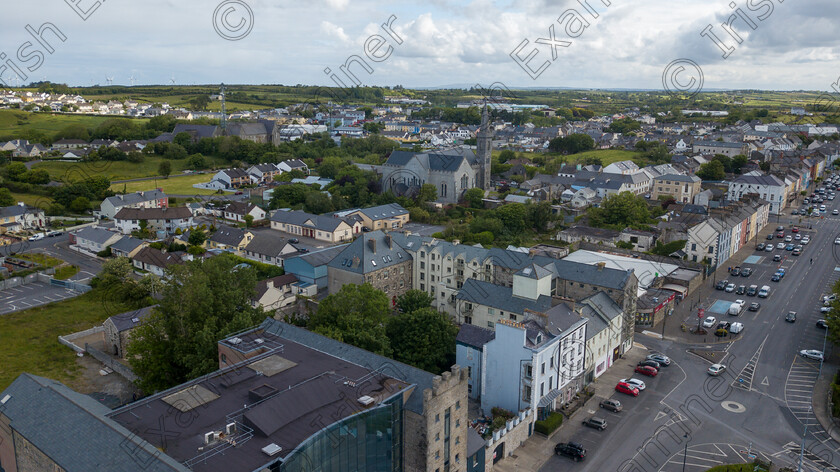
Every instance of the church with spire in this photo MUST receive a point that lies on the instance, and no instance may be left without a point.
(452, 171)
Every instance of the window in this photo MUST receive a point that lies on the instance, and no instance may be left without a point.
(551, 362)
(422, 276)
(490, 324)
(422, 265)
(423, 286)
(542, 368)
(437, 436)
(437, 418)
(528, 371)
(512, 317)
(458, 403)
(468, 319)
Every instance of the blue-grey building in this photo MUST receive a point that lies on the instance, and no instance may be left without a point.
(312, 267)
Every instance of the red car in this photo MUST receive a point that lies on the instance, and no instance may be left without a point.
(646, 370)
(795, 229)
(626, 388)
(780, 234)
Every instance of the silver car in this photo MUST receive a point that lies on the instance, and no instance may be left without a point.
(634, 383)
(811, 354)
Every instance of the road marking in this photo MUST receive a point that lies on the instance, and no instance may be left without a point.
(734, 407)
(745, 378)
(765, 381)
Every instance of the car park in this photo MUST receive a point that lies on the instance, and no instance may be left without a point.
(650, 363)
(822, 324)
(646, 370)
(570, 449)
(730, 288)
(662, 359)
(791, 317)
(626, 389)
(634, 383)
(811, 354)
(610, 404)
(716, 369)
(594, 422)
(754, 306)
(709, 321)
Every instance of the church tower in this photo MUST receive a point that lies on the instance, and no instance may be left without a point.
(484, 141)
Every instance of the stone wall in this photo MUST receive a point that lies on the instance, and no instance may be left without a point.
(513, 435)
(31, 459)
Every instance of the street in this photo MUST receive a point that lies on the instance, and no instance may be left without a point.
(760, 406)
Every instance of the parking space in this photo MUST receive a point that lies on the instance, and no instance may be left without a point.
(703, 457)
(32, 295)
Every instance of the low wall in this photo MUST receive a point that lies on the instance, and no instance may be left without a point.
(119, 368)
(513, 435)
(69, 340)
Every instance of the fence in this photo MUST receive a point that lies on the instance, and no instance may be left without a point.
(121, 369)
(69, 340)
(18, 281)
(69, 284)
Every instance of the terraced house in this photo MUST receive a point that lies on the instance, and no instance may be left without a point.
(322, 228)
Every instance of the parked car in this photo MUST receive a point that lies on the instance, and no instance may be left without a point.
(294, 240)
(768, 248)
(835, 212)
(811, 354)
(752, 290)
(796, 251)
(570, 449)
(650, 363)
(795, 229)
(716, 369)
(822, 324)
(626, 389)
(662, 359)
(735, 272)
(764, 292)
(646, 370)
(721, 285)
(780, 228)
(742, 289)
(736, 328)
(746, 272)
(759, 247)
(825, 309)
(634, 383)
(780, 246)
(595, 422)
(53, 234)
(610, 404)
(777, 258)
(790, 247)
(788, 238)
(775, 277)
(829, 298)
(37, 237)
(754, 306)
(709, 321)
(730, 288)
(769, 237)
(791, 317)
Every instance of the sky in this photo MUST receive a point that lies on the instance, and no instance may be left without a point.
(618, 44)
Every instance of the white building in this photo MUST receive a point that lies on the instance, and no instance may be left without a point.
(767, 187)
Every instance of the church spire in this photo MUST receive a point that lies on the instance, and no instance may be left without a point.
(484, 144)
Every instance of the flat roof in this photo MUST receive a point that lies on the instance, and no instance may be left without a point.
(280, 397)
(646, 271)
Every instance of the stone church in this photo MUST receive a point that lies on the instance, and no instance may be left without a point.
(451, 171)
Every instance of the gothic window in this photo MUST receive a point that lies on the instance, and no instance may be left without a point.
(465, 181)
(443, 190)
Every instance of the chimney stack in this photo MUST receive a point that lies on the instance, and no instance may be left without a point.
(601, 265)
(372, 245)
(389, 241)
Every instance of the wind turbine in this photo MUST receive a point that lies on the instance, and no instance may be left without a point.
(132, 79)
(172, 80)
(109, 80)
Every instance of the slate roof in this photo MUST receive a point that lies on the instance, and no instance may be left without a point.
(136, 197)
(173, 213)
(321, 257)
(72, 429)
(591, 274)
(240, 208)
(157, 258)
(301, 218)
(678, 178)
(500, 297)
(355, 355)
(266, 243)
(370, 252)
(197, 131)
(769, 180)
(721, 144)
(447, 160)
(95, 234)
(474, 336)
(228, 235)
(17, 210)
(279, 281)
(380, 212)
(126, 321)
(126, 244)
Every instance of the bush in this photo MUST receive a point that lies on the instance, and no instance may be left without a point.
(496, 412)
(105, 252)
(550, 424)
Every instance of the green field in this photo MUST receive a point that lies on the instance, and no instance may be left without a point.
(38, 201)
(116, 170)
(173, 185)
(29, 339)
(12, 122)
(607, 156)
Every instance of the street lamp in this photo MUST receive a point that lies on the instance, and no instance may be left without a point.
(685, 451)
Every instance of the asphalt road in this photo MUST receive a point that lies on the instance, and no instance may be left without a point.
(759, 407)
(58, 247)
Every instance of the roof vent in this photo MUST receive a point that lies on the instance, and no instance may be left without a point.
(235, 341)
(259, 341)
(272, 449)
(230, 428)
(366, 400)
(5, 399)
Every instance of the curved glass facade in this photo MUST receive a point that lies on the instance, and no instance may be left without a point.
(368, 441)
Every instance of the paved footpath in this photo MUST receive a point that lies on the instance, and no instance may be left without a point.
(538, 449)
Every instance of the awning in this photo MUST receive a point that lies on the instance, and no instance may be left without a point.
(549, 397)
(676, 288)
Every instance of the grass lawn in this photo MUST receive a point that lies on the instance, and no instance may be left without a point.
(735, 468)
(115, 170)
(38, 258)
(173, 185)
(64, 273)
(38, 201)
(29, 339)
(13, 122)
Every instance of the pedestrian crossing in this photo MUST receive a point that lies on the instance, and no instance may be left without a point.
(789, 456)
(702, 457)
(799, 386)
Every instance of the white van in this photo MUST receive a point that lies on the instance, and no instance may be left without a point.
(764, 292)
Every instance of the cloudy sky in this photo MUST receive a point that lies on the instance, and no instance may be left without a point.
(788, 46)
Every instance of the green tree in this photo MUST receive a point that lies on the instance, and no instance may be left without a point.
(514, 216)
(249, 220)
(6, 198)
(17, 171)
(506, 155)
(80, 205)
(197, 237)
(428, 193)
(738, 162)
(357, 315)
(712, 170)
(620, 211)
(182, 139)
(414, 300)
(624, 125)
(201, 303)
(424, 338)
(572, 144)
(474, 197)
(196, 162)
(540, 215)
(318, 203)
(200, 102)
(165, 168)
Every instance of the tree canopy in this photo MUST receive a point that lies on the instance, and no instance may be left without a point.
(572, 144)
(619, 211)
(424, 338)
(357, 315)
